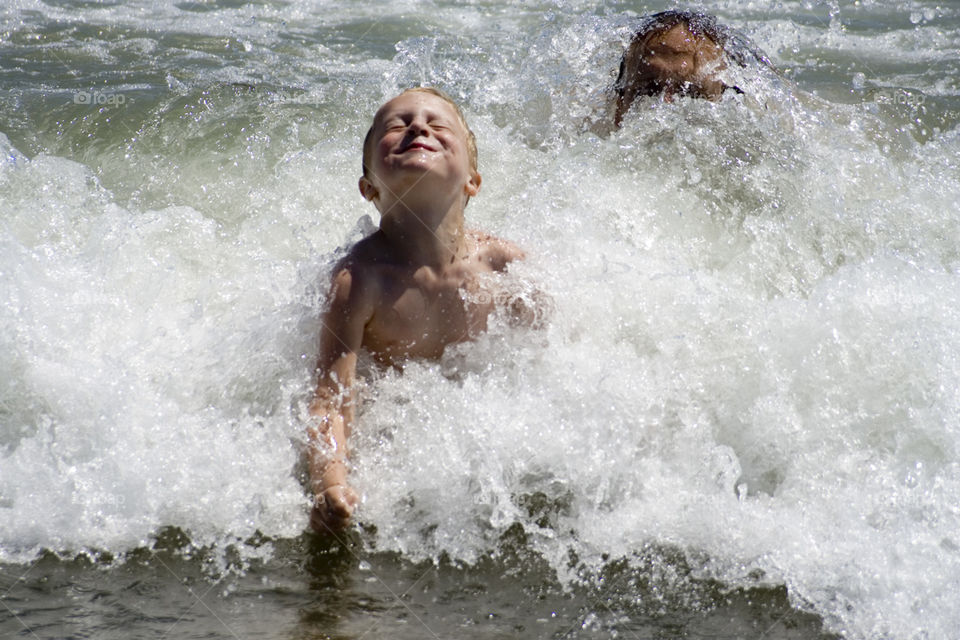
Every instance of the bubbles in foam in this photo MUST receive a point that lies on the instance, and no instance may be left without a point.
(751, 356)
(139, 399)
(742, 303)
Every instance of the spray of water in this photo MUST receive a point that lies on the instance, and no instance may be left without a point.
(751, 356)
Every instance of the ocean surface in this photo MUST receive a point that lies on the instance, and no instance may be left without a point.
(740, 420)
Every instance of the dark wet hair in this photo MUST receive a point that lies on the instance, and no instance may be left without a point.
(734, 48)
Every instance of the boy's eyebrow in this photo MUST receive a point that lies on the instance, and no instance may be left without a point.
(431, 115)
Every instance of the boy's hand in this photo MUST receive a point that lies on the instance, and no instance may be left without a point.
(332, 509)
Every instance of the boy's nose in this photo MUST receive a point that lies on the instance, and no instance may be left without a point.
(417, 126)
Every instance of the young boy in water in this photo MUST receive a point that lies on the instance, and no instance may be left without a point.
(400, 292)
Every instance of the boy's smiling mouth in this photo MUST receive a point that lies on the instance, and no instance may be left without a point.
(413, 146)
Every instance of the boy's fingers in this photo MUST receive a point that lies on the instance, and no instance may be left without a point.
(333, 509)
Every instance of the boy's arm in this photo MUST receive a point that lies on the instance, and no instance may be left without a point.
(497, 252)
(331, 411)
(529, 310)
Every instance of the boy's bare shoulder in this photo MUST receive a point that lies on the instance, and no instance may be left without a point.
(357, 274)
(365, 257)
(496, 252)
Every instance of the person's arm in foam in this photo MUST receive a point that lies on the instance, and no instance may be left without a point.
(331, 411)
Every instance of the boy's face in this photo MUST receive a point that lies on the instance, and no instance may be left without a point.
(417, 136)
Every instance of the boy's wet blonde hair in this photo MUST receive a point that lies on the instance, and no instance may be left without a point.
(471, 138)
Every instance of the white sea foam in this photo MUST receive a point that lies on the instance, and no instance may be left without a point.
(753, 353)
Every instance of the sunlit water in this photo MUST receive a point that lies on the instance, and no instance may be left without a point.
(741, 417)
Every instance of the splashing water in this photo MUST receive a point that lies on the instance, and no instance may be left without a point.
(752, 357)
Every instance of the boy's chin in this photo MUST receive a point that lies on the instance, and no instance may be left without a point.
(419, 161)
(423, 172)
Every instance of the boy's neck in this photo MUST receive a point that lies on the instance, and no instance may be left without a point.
(427, 233)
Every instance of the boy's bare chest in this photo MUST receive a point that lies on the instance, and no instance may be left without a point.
(420, 315)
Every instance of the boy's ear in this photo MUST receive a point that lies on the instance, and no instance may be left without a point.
(472, 187)
(367, 190)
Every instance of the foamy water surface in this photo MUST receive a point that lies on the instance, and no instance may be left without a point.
(748, 377)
